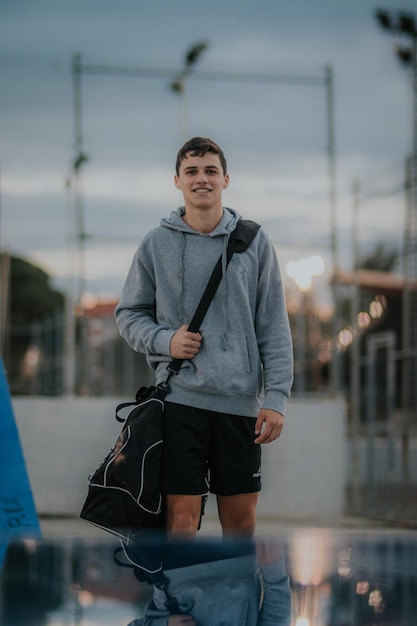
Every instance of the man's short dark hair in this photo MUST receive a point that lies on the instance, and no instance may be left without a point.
(199, 146)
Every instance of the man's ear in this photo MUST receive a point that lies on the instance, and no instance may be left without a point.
(176, 181)
(226, 181)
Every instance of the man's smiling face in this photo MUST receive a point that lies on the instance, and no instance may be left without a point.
(202, 180)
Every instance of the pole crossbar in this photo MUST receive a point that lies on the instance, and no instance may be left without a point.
(237, 77)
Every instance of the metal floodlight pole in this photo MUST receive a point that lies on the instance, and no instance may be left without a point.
(355, 356)
(336, 381)
(77, 234)
(69, 360)
(79, 159)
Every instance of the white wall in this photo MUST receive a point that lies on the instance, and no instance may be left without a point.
(64, 439)
(304, 472)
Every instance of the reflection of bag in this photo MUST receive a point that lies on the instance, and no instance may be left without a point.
(123, 494)
(144, 556)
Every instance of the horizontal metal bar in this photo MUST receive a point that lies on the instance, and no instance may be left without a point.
(235, 77)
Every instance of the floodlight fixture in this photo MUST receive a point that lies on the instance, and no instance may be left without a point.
(177, 85)
(80, 159)
(402, 23)
(404, 54)
(191, 57)
(194, 53)
(384, 19)
(407, 24)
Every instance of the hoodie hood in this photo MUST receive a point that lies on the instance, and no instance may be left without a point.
(226, 225)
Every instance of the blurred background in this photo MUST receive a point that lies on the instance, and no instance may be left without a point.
(314, 105)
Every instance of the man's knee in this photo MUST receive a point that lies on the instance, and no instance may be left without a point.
(238, 513)
(243, 526)
(182, 515)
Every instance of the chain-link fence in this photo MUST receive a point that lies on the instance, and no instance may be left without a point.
(382, 431)
(101, 362)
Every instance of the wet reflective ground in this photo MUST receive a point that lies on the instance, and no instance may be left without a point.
(336, 579)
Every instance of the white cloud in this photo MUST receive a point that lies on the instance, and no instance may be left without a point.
(144, 184)
(40, 184)
(100, 261)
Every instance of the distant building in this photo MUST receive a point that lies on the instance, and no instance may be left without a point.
(106, 365)
(378, 327)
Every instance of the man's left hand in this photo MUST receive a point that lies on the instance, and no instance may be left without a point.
(268, 426)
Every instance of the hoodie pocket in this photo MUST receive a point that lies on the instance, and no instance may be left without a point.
(224, 363)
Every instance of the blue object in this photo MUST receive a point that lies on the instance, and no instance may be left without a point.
(18, 515)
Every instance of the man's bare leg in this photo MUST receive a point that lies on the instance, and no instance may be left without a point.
(237, 514)
(182, 515)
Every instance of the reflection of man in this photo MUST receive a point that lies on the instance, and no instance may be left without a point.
(240, 588)
(231, 391)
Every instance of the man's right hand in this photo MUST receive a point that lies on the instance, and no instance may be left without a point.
(185, 345)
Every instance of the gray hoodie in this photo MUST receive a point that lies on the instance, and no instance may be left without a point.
(245, 360)
(231, 592)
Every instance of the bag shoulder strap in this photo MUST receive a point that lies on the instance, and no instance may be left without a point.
(243, 235)
(239, 240)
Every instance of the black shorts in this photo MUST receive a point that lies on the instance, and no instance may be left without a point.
(208, 451)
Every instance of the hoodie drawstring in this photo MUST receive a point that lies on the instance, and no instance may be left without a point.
(176, 222)
(180, 302)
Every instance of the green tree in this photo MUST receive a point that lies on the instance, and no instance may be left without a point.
(381, 259)
(32, 299)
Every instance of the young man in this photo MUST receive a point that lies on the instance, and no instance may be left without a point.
(231, 391)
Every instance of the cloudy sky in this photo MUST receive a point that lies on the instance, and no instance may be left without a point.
(274, 135)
